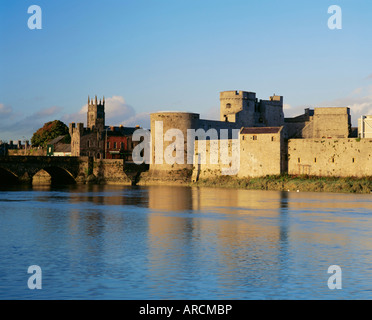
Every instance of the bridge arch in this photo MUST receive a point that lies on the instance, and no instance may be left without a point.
(58, 175)
(7, 177)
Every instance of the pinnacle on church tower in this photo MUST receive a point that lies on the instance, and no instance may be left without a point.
(96, 114)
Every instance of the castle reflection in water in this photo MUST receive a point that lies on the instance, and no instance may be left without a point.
(237, 233)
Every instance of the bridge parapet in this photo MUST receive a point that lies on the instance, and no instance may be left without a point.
(60, 168)
(65, 170)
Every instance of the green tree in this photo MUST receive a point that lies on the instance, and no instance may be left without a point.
(48, 132)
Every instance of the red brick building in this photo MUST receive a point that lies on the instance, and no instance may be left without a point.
(98, 140)
(119, 143)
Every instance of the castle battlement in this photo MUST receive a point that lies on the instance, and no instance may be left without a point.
(76, 128)
(236, 94)
(331, 110)
(273, 101)
(243, 108)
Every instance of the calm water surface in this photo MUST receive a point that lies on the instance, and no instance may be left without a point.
(162, 242)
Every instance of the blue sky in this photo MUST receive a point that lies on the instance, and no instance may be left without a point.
(146, 56)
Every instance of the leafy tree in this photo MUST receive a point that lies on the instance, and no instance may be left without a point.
(48, 132)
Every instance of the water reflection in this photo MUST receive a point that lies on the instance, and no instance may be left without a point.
(225, 243)
(162, 242)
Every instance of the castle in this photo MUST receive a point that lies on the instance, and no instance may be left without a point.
(320, 142)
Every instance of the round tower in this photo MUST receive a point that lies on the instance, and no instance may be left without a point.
(161, 123)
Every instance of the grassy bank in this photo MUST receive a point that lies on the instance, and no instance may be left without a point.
(292, 183)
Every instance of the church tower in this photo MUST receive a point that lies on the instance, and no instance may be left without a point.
(96, 114)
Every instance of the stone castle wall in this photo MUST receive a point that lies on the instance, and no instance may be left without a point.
(110, 171)
(204, 167)
(271, 112)
(345, 157)
(330, 157)
(258, 155)
(331, 122)
(319, 123)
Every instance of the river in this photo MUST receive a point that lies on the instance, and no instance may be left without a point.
(167, 242)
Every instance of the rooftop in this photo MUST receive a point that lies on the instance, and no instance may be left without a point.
(258, 130)
(120, 131)
(56, 140)
(62, 147)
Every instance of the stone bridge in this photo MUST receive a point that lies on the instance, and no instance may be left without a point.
(68, 170)
(63, 170)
